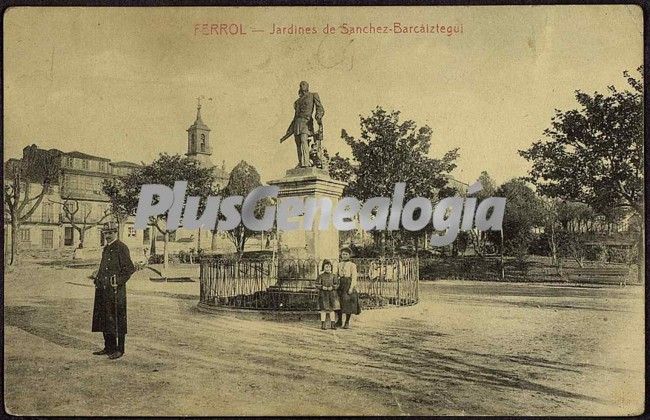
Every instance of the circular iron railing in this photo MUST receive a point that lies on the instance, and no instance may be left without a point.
(289, 284)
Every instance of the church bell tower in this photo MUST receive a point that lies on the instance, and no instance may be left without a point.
(198, 140)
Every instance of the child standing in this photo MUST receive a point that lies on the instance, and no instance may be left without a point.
(349, 298)
(328, 299)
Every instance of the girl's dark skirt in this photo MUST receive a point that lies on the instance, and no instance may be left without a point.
(349, 301)
(328, 300)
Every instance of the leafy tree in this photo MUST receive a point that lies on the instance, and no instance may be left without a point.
(165, 170)
(523, 212)
(243, 179)
(594, 154)
(387, 152)
(20, 198)
(575, 217)
(341, 168)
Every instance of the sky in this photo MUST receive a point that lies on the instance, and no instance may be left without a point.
(123, 83)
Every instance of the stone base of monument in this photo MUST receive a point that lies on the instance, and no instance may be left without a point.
(301, 251)
(256, 314)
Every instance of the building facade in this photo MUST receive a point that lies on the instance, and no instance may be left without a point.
(74, 203)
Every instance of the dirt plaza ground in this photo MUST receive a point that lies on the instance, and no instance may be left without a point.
(466, 348)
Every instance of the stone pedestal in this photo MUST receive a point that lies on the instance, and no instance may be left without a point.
(300, 251)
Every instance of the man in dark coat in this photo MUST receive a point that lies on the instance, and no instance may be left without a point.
(109, 313)
(302, 125)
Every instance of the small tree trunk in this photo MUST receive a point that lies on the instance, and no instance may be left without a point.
(640, 272)
(14, 243)
(82, 234)
(241, 242)
(153, 233)
(503, 269)
(554, 258)
(165, 255)
(213, 244)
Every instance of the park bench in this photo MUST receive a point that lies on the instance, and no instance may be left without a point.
(600, 275)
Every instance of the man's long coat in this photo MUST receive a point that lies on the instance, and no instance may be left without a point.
(116, 261)
(303, 122)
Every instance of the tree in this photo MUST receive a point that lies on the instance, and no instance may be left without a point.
(20, 200)
(341, 168)
(79, 217)
(387, 152)
(478, 238)
(594, 154)
(551, 222)
(523, 212)
(165, 170)
(243, 179)
(123, 193)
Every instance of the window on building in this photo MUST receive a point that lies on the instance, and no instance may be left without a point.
(68, 238)
(102, 166)
(24, 235)
(47, 239)
(69, 162)
(203, 142)
(88, 184)
(85, 164)
(86, 210)
(70, 206)
(48, 212)
(131, 232)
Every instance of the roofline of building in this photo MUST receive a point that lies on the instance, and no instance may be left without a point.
(126, 164)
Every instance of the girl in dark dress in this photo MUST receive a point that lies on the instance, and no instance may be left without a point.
(347, 271)
(328, 299)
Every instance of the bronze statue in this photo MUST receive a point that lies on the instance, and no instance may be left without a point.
(302, 126)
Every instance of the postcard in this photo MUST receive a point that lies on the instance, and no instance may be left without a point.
(324, 211)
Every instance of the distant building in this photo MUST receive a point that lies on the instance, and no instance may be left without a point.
(200, 148)
(77, 185)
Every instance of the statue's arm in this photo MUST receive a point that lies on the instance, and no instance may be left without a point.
(289, 132)
(290, 128)
(320, 111)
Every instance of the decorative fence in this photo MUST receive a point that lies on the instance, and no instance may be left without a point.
(288, 284)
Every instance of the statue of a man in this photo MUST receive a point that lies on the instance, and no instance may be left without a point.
(302, 126)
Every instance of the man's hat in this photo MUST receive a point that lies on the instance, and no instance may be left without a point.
(109, 227)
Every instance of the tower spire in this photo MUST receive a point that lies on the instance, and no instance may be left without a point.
(198, 138)
(198, 110)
